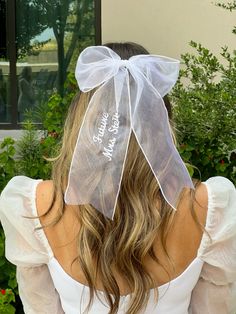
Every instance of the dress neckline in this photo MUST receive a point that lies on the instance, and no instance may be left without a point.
(53, 262)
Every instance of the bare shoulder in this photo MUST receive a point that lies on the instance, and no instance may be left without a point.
(201, 202)
(44, 196)
(199, 198)
(193, 203)
(201, 193)
(60, 234)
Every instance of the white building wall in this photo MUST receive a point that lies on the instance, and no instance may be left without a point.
(166, 26)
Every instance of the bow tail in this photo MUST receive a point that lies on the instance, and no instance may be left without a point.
(151, 127)
(99, 156)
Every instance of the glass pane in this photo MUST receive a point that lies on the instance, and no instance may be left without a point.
(4, 83)
(48, 44)
(3, 28)
(4, 68)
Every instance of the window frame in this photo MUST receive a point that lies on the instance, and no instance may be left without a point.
(11, 53)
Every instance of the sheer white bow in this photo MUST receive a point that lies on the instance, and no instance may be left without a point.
(129, 97)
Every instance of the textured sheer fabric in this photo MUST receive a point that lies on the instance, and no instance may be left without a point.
(207, 286)
(129, 97)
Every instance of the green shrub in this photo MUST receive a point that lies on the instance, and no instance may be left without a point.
(205, 112)
(6, 298)
(7, 270)
(30, 154)
(35, 147)
(7, 161)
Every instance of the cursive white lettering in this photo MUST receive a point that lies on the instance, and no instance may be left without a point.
(115, 126)
(101, 129)
(108, 151)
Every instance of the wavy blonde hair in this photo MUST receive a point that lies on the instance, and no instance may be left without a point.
(141, 215)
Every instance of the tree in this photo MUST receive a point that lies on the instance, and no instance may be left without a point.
(228, 6)
(75, 17)
(28, 28)
(231, 6)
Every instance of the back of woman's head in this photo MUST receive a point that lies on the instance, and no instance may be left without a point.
(141, 213)
(26, 73)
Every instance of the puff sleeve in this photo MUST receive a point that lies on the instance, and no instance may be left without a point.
(28, 248)
(215, 291)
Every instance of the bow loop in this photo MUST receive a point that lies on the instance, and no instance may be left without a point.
(161, 72)
(96, 66)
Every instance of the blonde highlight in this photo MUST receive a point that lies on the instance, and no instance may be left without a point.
(142, 215)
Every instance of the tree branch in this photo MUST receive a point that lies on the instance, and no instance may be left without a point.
(81, 9)
(228, 6)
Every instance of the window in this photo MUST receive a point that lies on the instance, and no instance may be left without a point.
(3, 29)
(40, 45)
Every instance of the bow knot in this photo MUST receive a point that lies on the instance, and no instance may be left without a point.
(124, 63)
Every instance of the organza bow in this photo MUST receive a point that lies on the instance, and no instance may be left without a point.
(129, 97)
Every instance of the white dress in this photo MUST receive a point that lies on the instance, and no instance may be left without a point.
(207, 286)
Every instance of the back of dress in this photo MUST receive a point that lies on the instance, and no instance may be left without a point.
(208, 285)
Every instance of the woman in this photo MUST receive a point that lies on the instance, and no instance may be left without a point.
(121, 228)
(26, 98)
